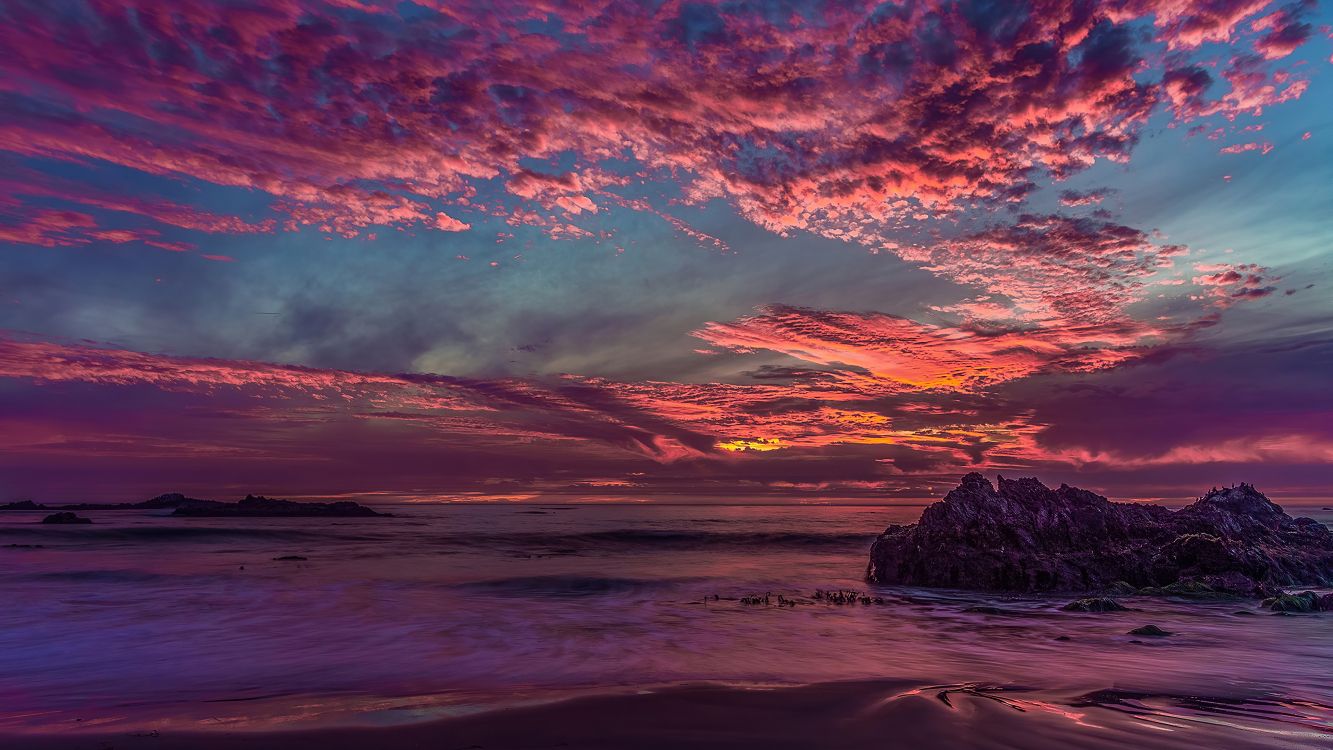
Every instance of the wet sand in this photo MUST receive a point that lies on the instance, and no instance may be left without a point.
(832, 715)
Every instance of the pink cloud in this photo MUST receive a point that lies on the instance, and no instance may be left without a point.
(1231, 283)
(446, 223)
(1055, 270)
(896, 353)
(1247, 450)
(1241, 148)
(840, 126)
(1075, 198)
(1285, 30)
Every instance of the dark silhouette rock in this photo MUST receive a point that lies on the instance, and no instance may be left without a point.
(258, 506)
(65, 517)
(1020, 535)
(1150, 630)
(984, 610)
(1095, 605)
(182, 505)
(292, 558)
(23, 505)
(170, 500)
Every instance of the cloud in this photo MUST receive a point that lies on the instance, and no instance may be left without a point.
(53, 227)
(514, 408)
(1285, 30)
(844, 122)
(1229, 283)
(447, 223)
(1075, 198)
(895, 353)
(1240, 148)
(1055, 270)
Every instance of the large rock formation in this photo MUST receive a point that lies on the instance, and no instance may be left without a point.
(1024, 536)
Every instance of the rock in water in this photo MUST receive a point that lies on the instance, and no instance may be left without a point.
(1307, 601)
(1024, 536)
(65, 518)
(258, 506)
(1094, 605)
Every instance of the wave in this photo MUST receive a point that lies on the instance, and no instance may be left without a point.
(670, 538)
(566, 586)
(546, 543)
(97, 576)
(1167, 707)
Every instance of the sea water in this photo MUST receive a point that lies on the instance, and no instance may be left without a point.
(143, 619)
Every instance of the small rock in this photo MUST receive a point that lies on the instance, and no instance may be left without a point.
(1187, 589)
(65, 517)
(1243, 613)
(984, 610)
(1150, 630)
(1307, 601)
(292, 557)
(1094, 605)
(1121, 588)
(1063, 638)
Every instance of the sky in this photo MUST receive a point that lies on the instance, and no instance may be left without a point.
(732, 250)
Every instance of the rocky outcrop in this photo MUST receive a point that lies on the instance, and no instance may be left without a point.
(65, 518)
(161, 502)
(1024, 536)
(23, 505)
(258, 506)
(251, 506)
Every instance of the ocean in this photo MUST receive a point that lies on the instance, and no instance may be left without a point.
(141, 619)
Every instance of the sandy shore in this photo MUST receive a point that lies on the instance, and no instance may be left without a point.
(834, 715)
